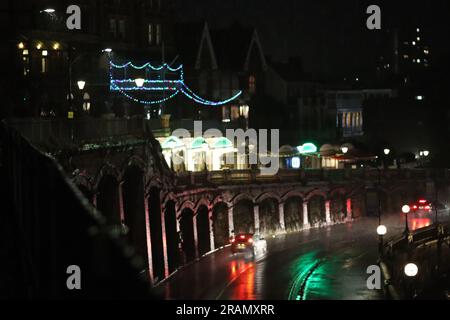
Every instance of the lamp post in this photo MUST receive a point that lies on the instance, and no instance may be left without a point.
(381, 231)
(410, 270)
(386, 152)
(406, 209)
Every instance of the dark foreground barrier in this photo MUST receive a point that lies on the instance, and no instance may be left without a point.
(49, 227)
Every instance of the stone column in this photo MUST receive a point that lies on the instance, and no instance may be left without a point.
(230, 221)
(194, 222)
(281, 212)
(256, 215)
(349, 209)
(149, 241)
(164, 242)
(305, 214)
(211, 229)
(327, 211)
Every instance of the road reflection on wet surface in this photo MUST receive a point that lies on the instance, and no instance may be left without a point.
(325, 263)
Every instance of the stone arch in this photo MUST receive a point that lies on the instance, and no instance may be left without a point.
(106, 169)
(203, 201)
(135, 161)
(293, 212)
(292, 193)
(187, 204)
(220, 224)
(203, 231)
(240, 197)
(315, 192)
(267, 195)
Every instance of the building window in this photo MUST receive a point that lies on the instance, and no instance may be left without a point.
(122, 31)
(252, 84)
(234, 113)
(112, 28)
(44, 61)
(26, 62)
(158, 34)
(226, 114)
(243, 111)
(150, 33)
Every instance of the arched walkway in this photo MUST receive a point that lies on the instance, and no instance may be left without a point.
(220, 224)
(244, 217)
(338, 207)
(203, 234)
(269, 217)
(316, 210)
(171, 236)
(108, 199)
(187, 234)
(293, 214)
(134, 211)
(154, 210)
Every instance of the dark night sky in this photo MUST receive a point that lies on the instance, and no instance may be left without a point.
(329, 35)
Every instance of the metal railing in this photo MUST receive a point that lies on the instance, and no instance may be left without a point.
(250, 176)
(52, 226)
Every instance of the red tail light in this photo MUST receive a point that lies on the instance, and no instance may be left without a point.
(427, 208)
(242, 237)
(414, 207)
(422, 201)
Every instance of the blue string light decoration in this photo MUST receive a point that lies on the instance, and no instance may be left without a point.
(155, 85)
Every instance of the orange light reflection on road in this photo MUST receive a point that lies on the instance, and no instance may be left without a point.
(244, 274)
(418, 223)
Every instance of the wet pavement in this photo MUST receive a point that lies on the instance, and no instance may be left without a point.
(325, 263)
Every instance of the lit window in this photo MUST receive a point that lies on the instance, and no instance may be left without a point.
(44, 65)
(21, 45)
(158, 34)
(252, 84)
(418, 30)
(418, 38)
(243, 111)
(405, 56)
(426, 51)
(234, 113)
(150, 33)
(25, 52)
(413, 43)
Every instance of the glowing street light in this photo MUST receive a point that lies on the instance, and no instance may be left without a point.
(411, 270)
(426, 153)
(344, 150)
(406, 209)
(381, 230)
(107, 50)
(81, 84)
(48, 10)
(139, 82)
(387, 151)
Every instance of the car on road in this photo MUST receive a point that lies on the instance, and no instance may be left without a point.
(421, 206)
(248, 242)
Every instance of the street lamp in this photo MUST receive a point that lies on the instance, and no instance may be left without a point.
(344, 150)
(387, 151)
(48, 10)
(81, 84)
(411, 270)
(426, 153)
(381, 231)
(107, 50)
(406, 209)
(139, 82)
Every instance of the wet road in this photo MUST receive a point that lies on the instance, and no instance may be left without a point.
(325, 263)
